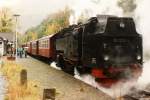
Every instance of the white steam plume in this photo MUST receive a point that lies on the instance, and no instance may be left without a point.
(90, 8)
(128, 6)
(143, 24)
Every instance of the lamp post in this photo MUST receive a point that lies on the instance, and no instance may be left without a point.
(16, 27)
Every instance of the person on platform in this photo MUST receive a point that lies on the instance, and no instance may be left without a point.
(20, 51)
(25, 52)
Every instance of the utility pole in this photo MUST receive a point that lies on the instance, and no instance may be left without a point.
(16, 30)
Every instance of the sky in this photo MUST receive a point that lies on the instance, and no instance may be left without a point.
(32, 12)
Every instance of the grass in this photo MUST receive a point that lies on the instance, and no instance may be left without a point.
(15, 91)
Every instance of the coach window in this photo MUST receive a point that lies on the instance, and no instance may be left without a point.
(46, 44)
(42, 43)
(32, 45)
(39, 44)
(35, 45)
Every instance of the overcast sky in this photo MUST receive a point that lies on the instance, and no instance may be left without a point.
(33, 11)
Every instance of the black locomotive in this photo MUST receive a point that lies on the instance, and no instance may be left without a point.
(108, 47)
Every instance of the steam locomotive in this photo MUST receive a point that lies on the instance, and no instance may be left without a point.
(107, 47)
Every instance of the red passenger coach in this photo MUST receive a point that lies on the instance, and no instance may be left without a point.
(46, 47)
(29, 45)
(34, 47)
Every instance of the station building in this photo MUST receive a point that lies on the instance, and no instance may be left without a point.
(6, 43)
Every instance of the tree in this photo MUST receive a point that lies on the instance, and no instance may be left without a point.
(82, 18)
(51, 25)
(57, 21)
(6, 23)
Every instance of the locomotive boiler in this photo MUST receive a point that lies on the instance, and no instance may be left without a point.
(107, 47)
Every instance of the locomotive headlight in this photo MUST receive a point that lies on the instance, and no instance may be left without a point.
(122, 25)
(104, 45)
(138, 57)
(106, 57)
(93, 60)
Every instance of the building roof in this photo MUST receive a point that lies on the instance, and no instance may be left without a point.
(7, 36)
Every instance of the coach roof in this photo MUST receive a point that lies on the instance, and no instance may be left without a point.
(49, 36)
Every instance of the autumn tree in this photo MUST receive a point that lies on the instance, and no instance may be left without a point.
(57, 21)
(51, 25)
(82, 18)
(6, 22)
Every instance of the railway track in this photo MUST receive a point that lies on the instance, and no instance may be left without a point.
(138, 95)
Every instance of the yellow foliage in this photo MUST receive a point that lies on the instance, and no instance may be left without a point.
(6, 23)
(52, 28)
(51, 25)
(15, 91)
(59, 20)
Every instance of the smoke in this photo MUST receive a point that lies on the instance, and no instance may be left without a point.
(144, 79)
(128, 6)
(117, 90)
(90, 8)
(143, 22)
(54, 65)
